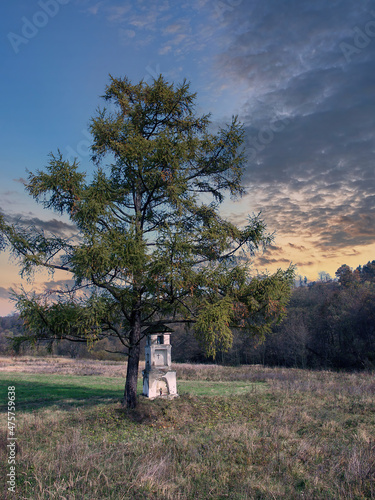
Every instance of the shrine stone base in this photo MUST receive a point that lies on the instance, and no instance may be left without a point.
(159, 384)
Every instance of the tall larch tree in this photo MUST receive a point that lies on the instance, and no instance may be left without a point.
(151, 246)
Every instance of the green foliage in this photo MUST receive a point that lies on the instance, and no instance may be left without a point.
(213, 325)
(267, 298)
(148, 249)
(71, 319)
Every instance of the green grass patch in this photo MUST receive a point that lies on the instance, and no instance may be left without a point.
(43, 390)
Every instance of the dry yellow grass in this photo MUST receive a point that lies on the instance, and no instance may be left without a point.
(64, 366)
(307, 435)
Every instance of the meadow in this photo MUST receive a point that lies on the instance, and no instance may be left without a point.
(246, 432)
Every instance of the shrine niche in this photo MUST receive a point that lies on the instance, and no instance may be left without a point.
(159, 380)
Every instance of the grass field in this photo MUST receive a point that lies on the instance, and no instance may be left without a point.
(234, 433)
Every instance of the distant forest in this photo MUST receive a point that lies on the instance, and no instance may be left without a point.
(330, 325)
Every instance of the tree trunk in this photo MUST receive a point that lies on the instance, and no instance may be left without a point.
(130, 393)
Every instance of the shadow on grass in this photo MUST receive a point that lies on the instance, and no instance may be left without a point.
(32, 395)
(40, 391)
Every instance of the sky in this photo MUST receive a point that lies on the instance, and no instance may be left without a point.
(298, 73)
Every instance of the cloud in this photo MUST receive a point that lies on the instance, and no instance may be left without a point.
(94, 9)
(264, 261)
(174, 28)
(21, 180)
(165, 50)
(91, 7)
(53, 226)
(297, 247)
(58, 285)
(308, 116)
(118, 13)
(4, 293)
(305, 264)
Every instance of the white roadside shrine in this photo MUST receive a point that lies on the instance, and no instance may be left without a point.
(159, 380)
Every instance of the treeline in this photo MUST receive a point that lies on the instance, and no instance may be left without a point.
(11, 326)
(330, 324)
